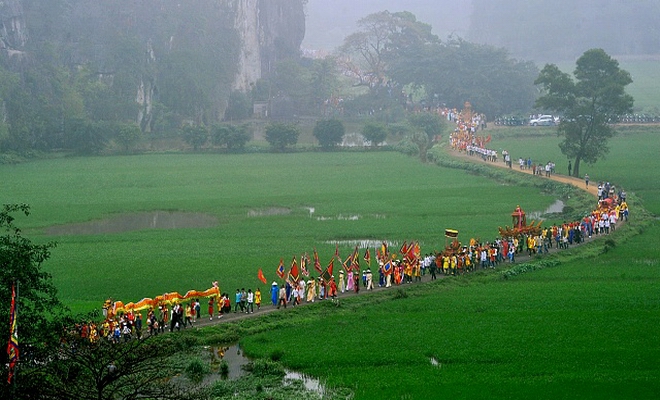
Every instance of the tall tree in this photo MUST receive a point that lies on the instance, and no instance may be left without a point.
(586, 104)
(367, 51)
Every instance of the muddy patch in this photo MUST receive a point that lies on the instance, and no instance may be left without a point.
(268, 212)
(136, 222)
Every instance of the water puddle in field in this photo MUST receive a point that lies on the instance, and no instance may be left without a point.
(236, 361)
(363, 243)
(340, 217)
(137, 221)
(555, 208)
(269, 212)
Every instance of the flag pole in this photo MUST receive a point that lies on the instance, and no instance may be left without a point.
(16, 330)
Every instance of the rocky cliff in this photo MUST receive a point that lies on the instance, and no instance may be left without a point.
(244, 38)
(270, 30)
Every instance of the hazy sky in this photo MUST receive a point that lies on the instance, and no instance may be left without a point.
(330, 21)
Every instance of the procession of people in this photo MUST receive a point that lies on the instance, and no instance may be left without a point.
(173, 312)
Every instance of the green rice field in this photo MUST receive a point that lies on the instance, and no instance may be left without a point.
(261, 207)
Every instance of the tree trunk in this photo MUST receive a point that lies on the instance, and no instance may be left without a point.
(576, 167)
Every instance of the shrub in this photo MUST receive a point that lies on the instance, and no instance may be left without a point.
(230, 136)
(329, 132)
(197, 369)
(281, 135)
(374, 132)
(195, 136)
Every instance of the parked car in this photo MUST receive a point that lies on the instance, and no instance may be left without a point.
(543, 120)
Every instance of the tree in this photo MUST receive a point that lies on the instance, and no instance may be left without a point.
(102, 370)
(231, 136)
(239, 107)
(195, 136)
(280, 135)
(21, 260)
(379, 36)
(128, 135)
(458, 71)
(375, 133)
(425, 127)
(586, 104)
(329, 132)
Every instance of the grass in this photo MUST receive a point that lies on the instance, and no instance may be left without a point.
(395, 197)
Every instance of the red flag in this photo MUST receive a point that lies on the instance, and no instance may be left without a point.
(12, 346)
(294, 274)
(410, 254)
(355, 264)
(261, 276)
(367, 256)
(317, 262)
(404, 248)
(280, 269)
(327, 274)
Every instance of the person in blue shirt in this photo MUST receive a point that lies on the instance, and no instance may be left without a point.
(237, 304)
(274, 291)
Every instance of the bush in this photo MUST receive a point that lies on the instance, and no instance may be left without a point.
(374, 132)
(196, 370)
(230, 136)
(195, 136)
(329, 132)
(281, 135)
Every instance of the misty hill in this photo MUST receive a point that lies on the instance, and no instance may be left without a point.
(551, 30)
(329, 22)
(538, 30)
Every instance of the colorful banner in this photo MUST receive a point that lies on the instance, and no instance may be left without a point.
(280, 269)
(12, 346)
(167, 298)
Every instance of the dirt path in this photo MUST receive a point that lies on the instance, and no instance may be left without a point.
(577, 182)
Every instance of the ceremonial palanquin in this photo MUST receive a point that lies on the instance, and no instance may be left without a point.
(520, 226)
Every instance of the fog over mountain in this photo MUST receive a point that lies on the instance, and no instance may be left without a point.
(330, 21)
(538, 30)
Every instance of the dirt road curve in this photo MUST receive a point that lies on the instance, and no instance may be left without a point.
(577, 182)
